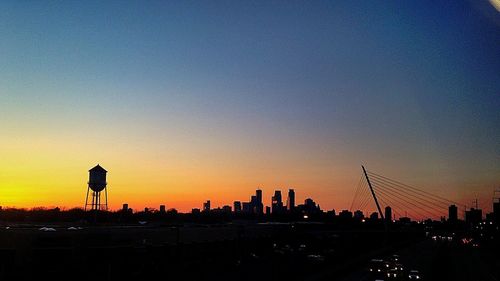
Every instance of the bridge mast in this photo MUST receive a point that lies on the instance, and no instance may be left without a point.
(373, 194)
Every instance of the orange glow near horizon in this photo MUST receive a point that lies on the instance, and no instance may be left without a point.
(182, 172)
(44, 172)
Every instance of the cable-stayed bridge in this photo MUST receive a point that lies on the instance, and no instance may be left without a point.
(375, 192)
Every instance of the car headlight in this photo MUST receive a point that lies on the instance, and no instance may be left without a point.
(378, 270)
(388, 275)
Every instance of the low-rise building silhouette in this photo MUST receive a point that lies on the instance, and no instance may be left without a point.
(473, 216)
(358, 214)
(345, 214)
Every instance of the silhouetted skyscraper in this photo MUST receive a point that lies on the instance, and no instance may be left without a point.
(125, 207)
(452, 213)
(496, 205)
(206, 206)
(258, 206)
(162, 209)
(237, 206)
(290, 201)
(496, 211)
(276, 202)
(258, 194)
(388, 214)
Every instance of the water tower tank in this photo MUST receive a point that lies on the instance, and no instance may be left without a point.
(97, 178)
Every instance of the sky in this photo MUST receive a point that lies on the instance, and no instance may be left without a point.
(184, 101)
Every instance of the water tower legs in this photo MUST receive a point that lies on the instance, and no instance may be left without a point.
(96, 203)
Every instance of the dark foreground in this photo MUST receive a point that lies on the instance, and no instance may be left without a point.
(245, 251)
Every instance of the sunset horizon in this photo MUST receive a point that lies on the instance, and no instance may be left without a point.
(296, 95)
(344, 140)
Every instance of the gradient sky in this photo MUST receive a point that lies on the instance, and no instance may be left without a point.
(185, 101)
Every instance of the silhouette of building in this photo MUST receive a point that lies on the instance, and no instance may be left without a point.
(125, 207)
(276, 202)
(206, 206)
(332, 213)
(268, 210)
(358, 214)
(405, 220)
(290, 201)
(226, 209)
(258, 195)
(388, 213)
(452, 213)
(374, 216)
(247, 208)
(496, 212)
(309, 207)
(473, 216)
(237, 206)
(345, 214)
(255, 206)
(162, 209)
(496, 205)
(195, 211)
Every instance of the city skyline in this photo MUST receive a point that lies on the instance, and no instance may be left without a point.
(182, 102)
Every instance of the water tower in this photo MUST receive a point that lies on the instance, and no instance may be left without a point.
(97, 183)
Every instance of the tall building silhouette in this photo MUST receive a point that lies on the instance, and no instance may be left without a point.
(258, 206)
(255, 206)
(237, 206)
(388, 214)
(206, 206)
(258, 194)
(276, 202)
(452, 213)
(290, 201)
(496, 205)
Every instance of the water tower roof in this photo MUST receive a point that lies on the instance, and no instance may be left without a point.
(98, 168)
